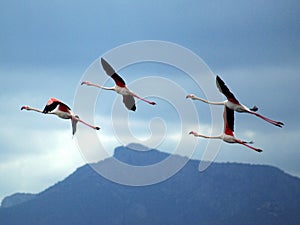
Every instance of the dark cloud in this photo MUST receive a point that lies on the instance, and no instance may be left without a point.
(224, 33)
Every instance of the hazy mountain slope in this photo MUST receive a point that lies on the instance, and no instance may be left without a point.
(226, 193)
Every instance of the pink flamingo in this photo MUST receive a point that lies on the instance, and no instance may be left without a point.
(120, 87)
(228, 135)
(233, 104)
(60, 109)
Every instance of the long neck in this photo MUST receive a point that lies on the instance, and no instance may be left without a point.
(102, 87)
(212, 137)
(38, 110)
(33, 109)
(208, 102)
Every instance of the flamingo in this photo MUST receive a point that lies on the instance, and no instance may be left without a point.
(228, 135)
(120, 87)
(233, 104)
(60, 109)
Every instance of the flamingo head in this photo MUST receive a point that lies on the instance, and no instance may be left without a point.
(193, 132)
(85, 82)
(25, 107)
(192, 96)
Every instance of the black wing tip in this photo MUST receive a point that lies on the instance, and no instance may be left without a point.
(133, 108)
(219, 80)
(103, 60)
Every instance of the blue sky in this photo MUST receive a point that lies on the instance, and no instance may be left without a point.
(46, 46)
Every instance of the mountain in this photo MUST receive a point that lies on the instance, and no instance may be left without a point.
(16, 199)
(225, 193)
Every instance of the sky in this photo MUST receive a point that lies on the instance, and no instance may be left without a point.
(46, 47)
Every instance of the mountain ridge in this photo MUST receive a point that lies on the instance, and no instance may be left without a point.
(225, 193)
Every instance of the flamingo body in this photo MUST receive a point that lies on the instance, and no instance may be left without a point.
(120, 87)
(228, 134)
(233, 104)
(60, 109)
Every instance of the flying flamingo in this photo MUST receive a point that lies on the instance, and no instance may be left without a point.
(60, 109)
(233, 104)
(228, 135)
(120, 87)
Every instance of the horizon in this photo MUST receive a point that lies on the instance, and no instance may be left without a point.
(136, 147)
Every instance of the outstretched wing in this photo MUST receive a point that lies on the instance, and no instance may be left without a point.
(53, 103)
(129, 102)
(224, 89)
(112, 73)
(228, 117)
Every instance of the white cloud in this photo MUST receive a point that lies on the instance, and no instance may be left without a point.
(33, 158)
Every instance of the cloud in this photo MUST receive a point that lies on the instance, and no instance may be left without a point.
(36, 160)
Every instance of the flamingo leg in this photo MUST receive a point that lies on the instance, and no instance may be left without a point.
(149, 102)
(85, 123)
(276, 123)
(244, 143)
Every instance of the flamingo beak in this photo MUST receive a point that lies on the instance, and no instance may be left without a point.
(23, 107)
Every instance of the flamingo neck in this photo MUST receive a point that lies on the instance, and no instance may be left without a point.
(102, 87)
(211, 137)
(34, 109)
(208, 102)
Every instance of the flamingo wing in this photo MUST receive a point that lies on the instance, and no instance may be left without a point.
(53, 103)
(228, 116)
(129, 102)
(118, 80)
(74, 125)
(225, 90)
(107, 67)
(112, 73)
